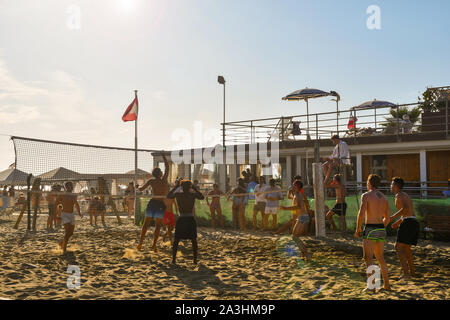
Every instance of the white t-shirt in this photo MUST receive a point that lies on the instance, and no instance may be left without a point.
(341, 151)
(261, 197)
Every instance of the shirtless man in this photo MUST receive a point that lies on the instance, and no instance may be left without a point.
(51, 197)
(214, 206)
(155, 207)
(68, 201)
(408, 227)
(375, 208)
(303, 220)
(340, 208)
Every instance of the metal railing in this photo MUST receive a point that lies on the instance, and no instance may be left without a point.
(374, 121)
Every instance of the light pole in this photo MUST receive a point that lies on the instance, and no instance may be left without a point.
(221, 80)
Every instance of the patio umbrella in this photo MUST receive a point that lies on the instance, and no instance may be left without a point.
(306, 94)
(374, 104)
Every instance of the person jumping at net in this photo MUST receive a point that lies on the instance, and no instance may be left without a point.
(408, 227)
(186, 226)
(303, 220)
(68, 202)
(375, 211)
(340, 208)
(339, 156)
(156, 206)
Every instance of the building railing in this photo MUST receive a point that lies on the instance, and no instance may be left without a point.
(374, 121)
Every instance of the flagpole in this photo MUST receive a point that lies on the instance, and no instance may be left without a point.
(136, 206)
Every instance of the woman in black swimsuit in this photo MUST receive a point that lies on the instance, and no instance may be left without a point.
(186, 226)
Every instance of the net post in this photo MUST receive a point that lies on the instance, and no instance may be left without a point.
(29, 202)
(319, 199)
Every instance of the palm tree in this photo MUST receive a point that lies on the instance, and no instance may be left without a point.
(391, 124)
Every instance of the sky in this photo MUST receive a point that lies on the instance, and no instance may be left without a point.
(68, 68)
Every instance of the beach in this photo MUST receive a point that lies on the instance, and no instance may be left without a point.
(232, 265)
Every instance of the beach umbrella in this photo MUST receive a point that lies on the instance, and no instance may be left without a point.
(374, 104)
(309, 93)
(13, 176)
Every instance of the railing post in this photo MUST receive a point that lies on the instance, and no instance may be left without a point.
(398, 124)
(446, 117)
(317, 145)
(282, 128)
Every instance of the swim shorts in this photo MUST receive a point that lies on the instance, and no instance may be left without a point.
(155, 209)
(215, 205)
(375, 232)
(169, 218)
(68, 217)
(408, 231)
(51, 210)
(271, 210)
(260, 206)
(304, 219)
(340, 208)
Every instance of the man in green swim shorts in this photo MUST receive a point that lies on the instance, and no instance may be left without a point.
(375, 209)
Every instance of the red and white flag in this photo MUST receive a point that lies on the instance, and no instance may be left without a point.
(131, 112)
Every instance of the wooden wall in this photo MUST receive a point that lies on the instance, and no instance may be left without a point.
(438, 167)
(406, 166)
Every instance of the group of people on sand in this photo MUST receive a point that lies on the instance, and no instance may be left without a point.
(374, 213)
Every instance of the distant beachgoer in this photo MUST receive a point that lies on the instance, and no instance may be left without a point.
(340, 155)
(57, 209)
(408, 227)
(214, 206)
(68, 202)
(169, 217)
(129, 199)
(340, 208)
(375, 211)
(51, 198)
(5, 198)
(260, 202)
(301, 225)
(95, 207)
(446, 193)
(239, 203)
(273, 196)
(156, 206)
(186, 226)
(11, 194)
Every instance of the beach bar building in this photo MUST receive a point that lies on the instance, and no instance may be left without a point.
(407, 140)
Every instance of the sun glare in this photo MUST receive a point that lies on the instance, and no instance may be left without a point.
(126, 5)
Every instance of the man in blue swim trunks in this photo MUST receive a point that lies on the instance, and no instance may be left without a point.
(156, 206)
(375, 209)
